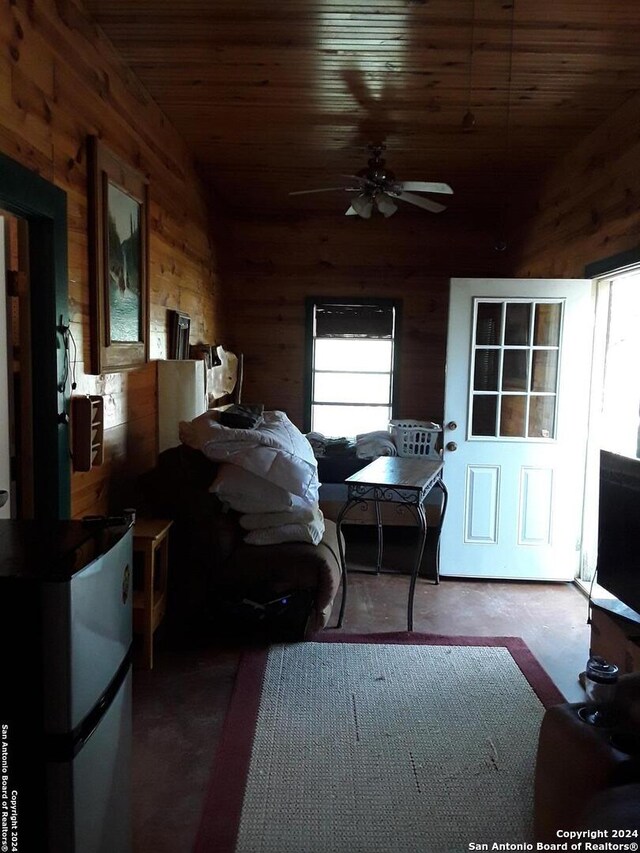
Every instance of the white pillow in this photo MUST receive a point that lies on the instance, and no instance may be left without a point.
(246, 492)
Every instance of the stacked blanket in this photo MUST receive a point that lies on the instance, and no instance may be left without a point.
(372, 444)
(293, 525)
(269, 473)
(367, 445)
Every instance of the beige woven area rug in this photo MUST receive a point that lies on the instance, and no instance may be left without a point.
(378, 744)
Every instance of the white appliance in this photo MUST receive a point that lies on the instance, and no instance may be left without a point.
(181, 397)
(66, 594)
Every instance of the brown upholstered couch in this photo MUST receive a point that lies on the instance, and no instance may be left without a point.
(217, 581)
(587, 777)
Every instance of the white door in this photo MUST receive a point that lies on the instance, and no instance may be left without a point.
(5, 448)
(516, 410)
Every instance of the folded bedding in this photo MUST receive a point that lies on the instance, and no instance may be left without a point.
(310, 531)
(275, 450)
(372, 444)
(246, 492)
(268, 474)
(291, 515)
(270, 514)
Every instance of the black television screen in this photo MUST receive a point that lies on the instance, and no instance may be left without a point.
(619, 532)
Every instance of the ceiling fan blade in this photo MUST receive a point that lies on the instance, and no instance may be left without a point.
(426, 203)
(425, 187)
(361, 181)
(323, 190)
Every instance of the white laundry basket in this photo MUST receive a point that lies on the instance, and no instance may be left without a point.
(415, 438)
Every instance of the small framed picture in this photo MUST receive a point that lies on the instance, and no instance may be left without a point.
(179, 326)
(118, 224)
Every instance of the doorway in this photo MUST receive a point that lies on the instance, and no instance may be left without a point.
(614, 420)
(515, 432)
(16, 442)
(41, 208)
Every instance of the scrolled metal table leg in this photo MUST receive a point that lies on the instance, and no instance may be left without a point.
(422, 522)
(445, 499)
(380, 540)
(343, 562)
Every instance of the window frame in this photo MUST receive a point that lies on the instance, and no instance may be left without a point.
(310, 304)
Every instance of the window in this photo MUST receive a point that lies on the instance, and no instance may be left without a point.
(619, 302)
(352, 357)
(614, 424)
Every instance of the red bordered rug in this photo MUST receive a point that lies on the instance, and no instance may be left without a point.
(268, 756)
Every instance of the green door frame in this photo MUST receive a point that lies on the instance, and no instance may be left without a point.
(44, 207)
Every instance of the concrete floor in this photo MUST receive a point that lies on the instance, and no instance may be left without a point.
(179, 706)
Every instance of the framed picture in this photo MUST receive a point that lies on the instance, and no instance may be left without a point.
(118, 242)
(179, 326)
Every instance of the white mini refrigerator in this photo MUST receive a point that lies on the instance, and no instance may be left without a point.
(65, 593)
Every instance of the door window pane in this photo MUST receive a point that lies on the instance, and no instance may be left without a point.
(512, 415)
(542, 412)
(517, 323)
(544, 371)
(489, 323)
(483, 421)
(547, 324)
(351, 388)
(485, 373)
(514, 374)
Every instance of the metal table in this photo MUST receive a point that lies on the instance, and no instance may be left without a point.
(394, 479)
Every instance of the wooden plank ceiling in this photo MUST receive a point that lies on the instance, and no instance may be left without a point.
(286, 96)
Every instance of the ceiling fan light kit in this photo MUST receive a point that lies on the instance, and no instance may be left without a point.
(362, 205)
(385, 205)
(376, 188)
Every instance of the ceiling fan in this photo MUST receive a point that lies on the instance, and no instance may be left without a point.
(377, 187)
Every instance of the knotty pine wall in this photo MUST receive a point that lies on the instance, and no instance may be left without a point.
(60, 80)
(588, 208)
(411, 256)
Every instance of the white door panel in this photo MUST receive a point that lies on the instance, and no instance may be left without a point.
(481, 503)
(536, 492)
(516, 408)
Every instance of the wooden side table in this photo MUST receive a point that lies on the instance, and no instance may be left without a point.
(151, 540)
(401, 480)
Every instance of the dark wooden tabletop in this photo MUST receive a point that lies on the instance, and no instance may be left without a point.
(406, 472)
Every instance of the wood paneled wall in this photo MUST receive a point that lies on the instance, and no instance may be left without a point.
(588, 208)
(277, 263)
(61, 80)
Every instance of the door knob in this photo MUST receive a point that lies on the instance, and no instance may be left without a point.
(452, 425)
(451, 445)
